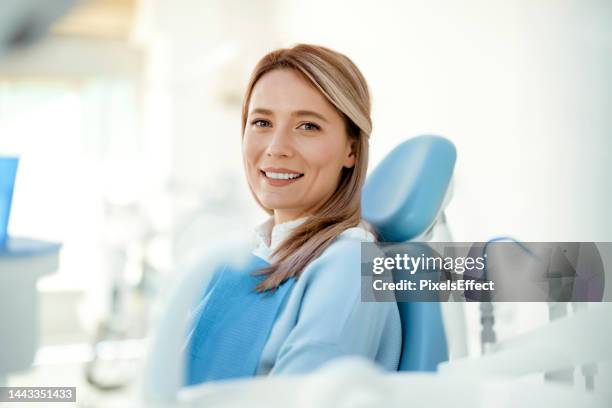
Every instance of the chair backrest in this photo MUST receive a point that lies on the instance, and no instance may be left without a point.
(401, 199)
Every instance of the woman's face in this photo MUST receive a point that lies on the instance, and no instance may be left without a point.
(294, 145)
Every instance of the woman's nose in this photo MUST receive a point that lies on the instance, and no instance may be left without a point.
(280, 144)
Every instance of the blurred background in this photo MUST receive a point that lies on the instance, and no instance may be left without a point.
(126, 117)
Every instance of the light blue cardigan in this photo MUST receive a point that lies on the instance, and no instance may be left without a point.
(323, 316)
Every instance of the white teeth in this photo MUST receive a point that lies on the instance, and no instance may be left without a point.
(282, 176)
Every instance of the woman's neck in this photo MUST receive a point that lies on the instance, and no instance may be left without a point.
(282, 216)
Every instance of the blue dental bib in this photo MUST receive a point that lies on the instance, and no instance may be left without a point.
(234, 324)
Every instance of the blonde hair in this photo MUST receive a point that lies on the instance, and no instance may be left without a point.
(341, 82)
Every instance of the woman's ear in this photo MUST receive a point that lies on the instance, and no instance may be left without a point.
(350, 158)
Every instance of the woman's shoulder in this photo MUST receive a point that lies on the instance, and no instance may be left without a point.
(341, 261)
(363, 232)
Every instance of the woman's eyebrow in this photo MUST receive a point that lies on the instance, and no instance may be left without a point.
(309, 113)
(262, 111)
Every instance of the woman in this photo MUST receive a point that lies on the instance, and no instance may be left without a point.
(305, 130)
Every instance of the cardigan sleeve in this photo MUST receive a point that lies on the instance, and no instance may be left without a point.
(333, 321)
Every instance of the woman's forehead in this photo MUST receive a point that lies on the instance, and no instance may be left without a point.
(287, 91)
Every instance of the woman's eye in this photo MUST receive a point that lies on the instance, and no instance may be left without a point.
(261, 123)
(309, 126)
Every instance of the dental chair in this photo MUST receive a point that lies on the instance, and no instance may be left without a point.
(404, 200)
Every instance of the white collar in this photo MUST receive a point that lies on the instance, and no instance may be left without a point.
(269, 236)
(272, 235)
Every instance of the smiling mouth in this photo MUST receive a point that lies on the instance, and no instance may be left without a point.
(281, 176)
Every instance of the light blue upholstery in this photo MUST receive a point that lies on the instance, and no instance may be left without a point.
(401, 199)
(404, 193)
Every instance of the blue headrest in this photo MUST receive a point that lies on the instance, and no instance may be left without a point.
(403, 195)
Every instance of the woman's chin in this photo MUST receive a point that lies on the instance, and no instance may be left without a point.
(279, 205)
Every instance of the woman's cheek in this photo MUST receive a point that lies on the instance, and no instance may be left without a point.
(250, 163)
(318, 151)
(325, 159)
